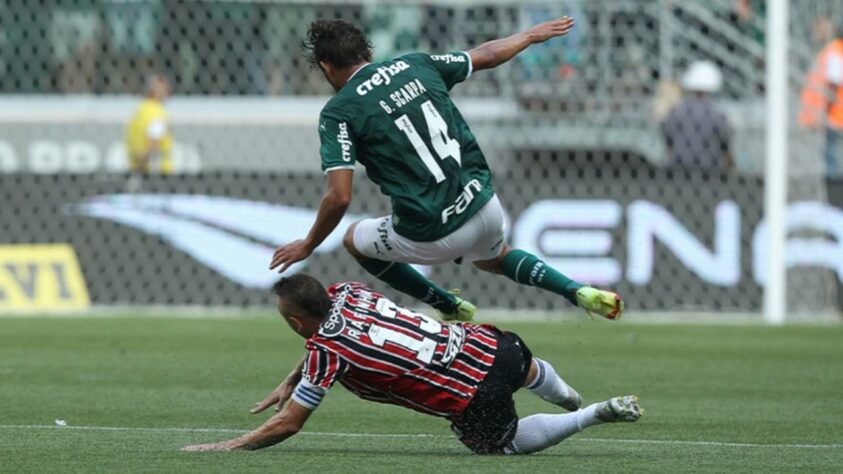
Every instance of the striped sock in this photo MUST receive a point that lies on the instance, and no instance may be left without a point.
(538, 432)
(550, 387)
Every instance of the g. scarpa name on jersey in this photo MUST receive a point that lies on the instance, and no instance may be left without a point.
(404, 95)
(382, 76)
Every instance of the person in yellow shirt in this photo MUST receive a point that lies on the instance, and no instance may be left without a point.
(148, 138)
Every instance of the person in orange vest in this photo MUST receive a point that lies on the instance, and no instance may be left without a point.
(822, 101)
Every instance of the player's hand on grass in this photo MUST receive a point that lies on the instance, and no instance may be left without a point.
(551, 29)
(277, 397)
(289, 254)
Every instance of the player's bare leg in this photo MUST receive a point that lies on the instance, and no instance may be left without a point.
(527, 269)
(406, 279)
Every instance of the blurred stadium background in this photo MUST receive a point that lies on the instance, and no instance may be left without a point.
(572, 129)
(575, 131)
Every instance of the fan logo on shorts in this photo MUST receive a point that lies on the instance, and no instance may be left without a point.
(332, 326)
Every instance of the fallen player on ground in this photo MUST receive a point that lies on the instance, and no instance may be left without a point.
(385, 353)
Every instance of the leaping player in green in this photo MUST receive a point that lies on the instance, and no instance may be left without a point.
(397, 119)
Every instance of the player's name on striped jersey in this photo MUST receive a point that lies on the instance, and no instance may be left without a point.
(368, 303)
(383, 352)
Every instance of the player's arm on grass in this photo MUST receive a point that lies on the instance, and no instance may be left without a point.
(276, 429)
(320, 370)
(494, 53)
(331, 211)
(283, 391)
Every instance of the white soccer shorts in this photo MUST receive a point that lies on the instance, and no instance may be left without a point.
(481, 238)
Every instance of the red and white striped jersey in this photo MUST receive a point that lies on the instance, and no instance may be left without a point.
(386, 353)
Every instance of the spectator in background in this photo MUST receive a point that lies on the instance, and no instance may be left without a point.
(559, 57)
(822, 31)
(822, 101)
(148, 137)
(696, 133)
(748, 16)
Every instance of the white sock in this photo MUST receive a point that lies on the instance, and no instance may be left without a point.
(538, 432)
(549, 385)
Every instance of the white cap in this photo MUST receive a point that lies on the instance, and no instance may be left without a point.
(702, 76)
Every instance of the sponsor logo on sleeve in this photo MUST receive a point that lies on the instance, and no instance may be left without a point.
(344, 139)
(448, 58)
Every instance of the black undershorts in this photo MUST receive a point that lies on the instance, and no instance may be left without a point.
(488, 424)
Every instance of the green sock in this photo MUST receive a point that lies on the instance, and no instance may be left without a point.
(406, 279)
(527, 269)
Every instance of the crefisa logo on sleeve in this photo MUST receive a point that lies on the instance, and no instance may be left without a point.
(344, 140)
(448, 58)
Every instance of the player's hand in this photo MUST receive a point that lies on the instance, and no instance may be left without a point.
(221, 446)
(277, 397)
(289, 254)
(551, 29)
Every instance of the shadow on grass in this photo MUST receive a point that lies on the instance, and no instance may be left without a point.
(426, 452)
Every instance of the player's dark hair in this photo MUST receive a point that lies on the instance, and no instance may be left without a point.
(306, 293)
(336, 42)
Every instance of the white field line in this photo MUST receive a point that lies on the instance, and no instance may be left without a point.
(422, 435)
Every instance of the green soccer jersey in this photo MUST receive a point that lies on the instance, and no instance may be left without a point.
(397, 119)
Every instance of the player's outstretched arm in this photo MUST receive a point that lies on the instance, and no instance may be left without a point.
(276, 429)
(283, 392)
(494, 53)
(331, 211)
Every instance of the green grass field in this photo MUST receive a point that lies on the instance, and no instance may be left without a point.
(134, 390)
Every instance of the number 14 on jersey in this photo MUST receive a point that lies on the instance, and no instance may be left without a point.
(445, 146)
